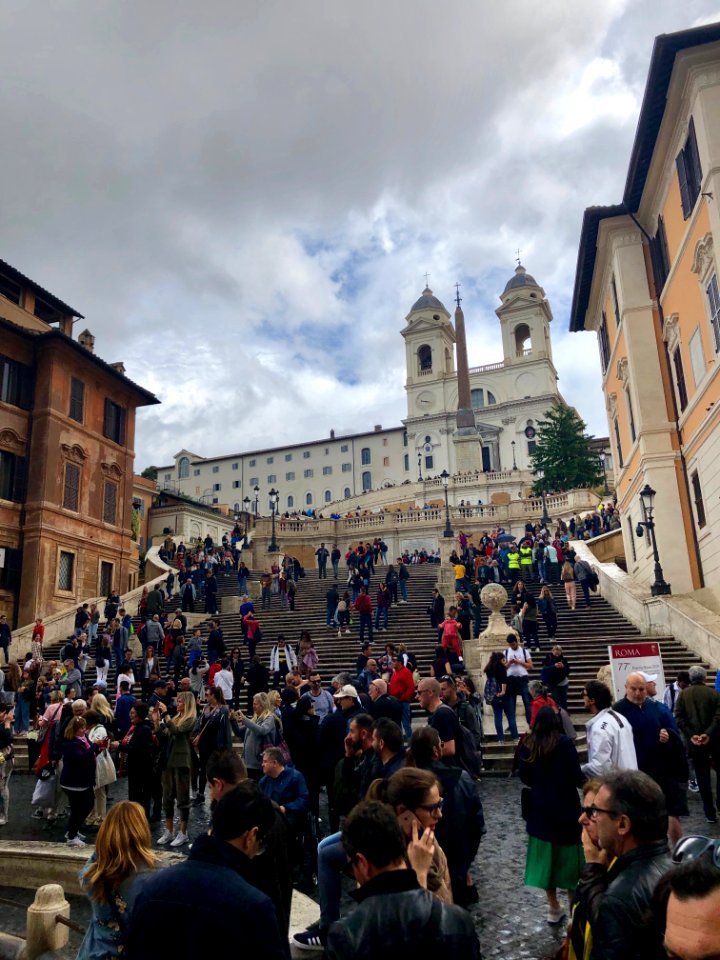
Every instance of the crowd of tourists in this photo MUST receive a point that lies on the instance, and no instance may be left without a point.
(400, 805)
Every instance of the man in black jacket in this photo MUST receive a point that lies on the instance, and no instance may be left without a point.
(383, 705)
(396, 916)
(181, 906)
(631, 819)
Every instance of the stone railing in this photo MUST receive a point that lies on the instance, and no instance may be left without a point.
(487, 367)
(60, 625)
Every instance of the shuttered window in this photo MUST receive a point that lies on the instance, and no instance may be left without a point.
(77, 400)
(698, 498)
(689, 171)
(71, 487)
(110, 494)
(660, 256)
(604, 343)
(713, 296)
(680, 379)
(114, 422)
(66, 571)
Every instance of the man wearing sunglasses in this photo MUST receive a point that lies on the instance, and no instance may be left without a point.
(692, 927)
(630, 816)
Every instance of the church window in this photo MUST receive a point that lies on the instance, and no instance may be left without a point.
(216, 469)
(306, 454)
(308, 499)
(291, 502)
(406, 460)
(308, 473)
(327, 471)
(405, 438)
(491, 398)
(328, 496)
(367, 480)
(532, 447)
(236, 484)
(424, 358)
(236, 466)
(429, 463)
(365, 457)
(236, 507)
(344, 448)
(288, 457)
(183, 468)
(290, 475)
(523, 344)
(428, 439)
(272, 478)
(269, 459)
(346, 467)
(196, 472)
(252, 463)
(477, 398)
(346, 492)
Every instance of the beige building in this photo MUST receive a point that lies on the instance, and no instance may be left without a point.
(508, 397)
(647, 284)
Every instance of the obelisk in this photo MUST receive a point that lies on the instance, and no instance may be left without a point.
(468, 449)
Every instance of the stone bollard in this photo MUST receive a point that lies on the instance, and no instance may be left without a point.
(43, 932)
(494, 637)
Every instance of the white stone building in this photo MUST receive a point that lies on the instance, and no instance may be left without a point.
(509, 397)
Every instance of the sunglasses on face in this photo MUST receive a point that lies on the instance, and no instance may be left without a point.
(592, 812)
(693, 847)
(431, 807)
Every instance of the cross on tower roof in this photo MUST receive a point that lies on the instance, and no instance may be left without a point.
(458, 298)
(427, 277)
(518, 256)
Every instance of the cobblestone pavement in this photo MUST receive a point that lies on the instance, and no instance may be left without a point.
(510, 917)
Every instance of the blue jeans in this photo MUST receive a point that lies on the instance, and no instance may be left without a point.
(366, 624)
(585, 585)
(407, 718)
(22, 715)
(381, 611)
(519, 685)
(504, 705)
(242, 586)
(330, 614)
(403, 589)
(332, 860)
(336, 566)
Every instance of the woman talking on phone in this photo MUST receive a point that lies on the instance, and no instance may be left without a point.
(414, 795)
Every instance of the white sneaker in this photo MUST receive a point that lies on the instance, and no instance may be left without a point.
(180, 839)
(3, 819)
(347, 631)
(76, 842)
(339, 633)
(81, 836)
(165, 837)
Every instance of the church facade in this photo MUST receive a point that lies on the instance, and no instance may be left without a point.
(508, 399)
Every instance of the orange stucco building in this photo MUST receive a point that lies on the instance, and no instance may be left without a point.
(67, 429)
(647, 284)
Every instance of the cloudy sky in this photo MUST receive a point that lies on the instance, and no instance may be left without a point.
(243, 197)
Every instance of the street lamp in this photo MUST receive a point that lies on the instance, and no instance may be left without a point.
(274, 497)
(606, 489)
(512, 444)
(246, 504)
(647, 496)
(420, 467)
(256, 488)
(445, 476)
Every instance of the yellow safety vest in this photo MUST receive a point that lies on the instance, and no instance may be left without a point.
(525, 555)
(513, 561)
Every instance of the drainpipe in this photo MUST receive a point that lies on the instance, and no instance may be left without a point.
(675, 411)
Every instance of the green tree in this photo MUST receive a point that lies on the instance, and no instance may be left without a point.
(150, 473)
(563, 459)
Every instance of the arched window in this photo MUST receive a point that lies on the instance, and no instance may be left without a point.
(346, 493)
(367, 480)
(523, 343)
(308, 499)
(477, 399)
(328, 496)
(424, 356)
(365, 457)
(236, 507)
(491, 398)
(291, 502)
(183, 468)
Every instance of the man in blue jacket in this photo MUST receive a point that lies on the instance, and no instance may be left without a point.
(284, 785)
(205, 899)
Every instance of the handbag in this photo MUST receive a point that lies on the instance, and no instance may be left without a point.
(105, 772)
(280, 744)
(44, 792)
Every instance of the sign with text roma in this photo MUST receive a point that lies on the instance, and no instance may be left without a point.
(626, 658)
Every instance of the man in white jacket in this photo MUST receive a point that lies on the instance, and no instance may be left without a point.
(609, 736)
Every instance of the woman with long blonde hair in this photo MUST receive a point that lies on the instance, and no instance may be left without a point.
(122, 861)
(259, 732)
(99, 704)
(175, 733)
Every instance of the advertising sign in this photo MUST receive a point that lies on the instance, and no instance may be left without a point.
(626, 658)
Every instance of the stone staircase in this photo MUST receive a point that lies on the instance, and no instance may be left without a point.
(584, 635)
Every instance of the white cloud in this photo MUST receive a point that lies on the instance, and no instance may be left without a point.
(243, 198)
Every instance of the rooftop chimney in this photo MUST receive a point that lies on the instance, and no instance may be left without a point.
(87, 340)
(332, 434)
(378, 427)
(119, 366)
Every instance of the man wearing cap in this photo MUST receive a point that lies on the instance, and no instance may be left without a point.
(698, 716)
(383, 705)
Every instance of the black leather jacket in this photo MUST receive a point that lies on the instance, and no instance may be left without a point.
(397, 918)
(621, 926)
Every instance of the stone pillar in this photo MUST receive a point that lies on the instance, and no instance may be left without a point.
(468, 449)
(476, 653)
(43, 932)
(446, 574)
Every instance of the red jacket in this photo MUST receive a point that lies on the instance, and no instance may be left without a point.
(363, 604)
(402, 685)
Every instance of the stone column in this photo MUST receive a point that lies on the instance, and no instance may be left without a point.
(466, 439)
(43, 932)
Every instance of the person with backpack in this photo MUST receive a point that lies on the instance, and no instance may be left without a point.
(464, 712)
(585, 577)
(517, 662)
(458, 749)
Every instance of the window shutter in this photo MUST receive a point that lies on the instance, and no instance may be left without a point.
(110, 502)
(18, 491)
(71, 490)
(680, 379)
(683, 180)
(692, 162)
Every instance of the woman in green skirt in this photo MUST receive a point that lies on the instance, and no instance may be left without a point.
(550, 768)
